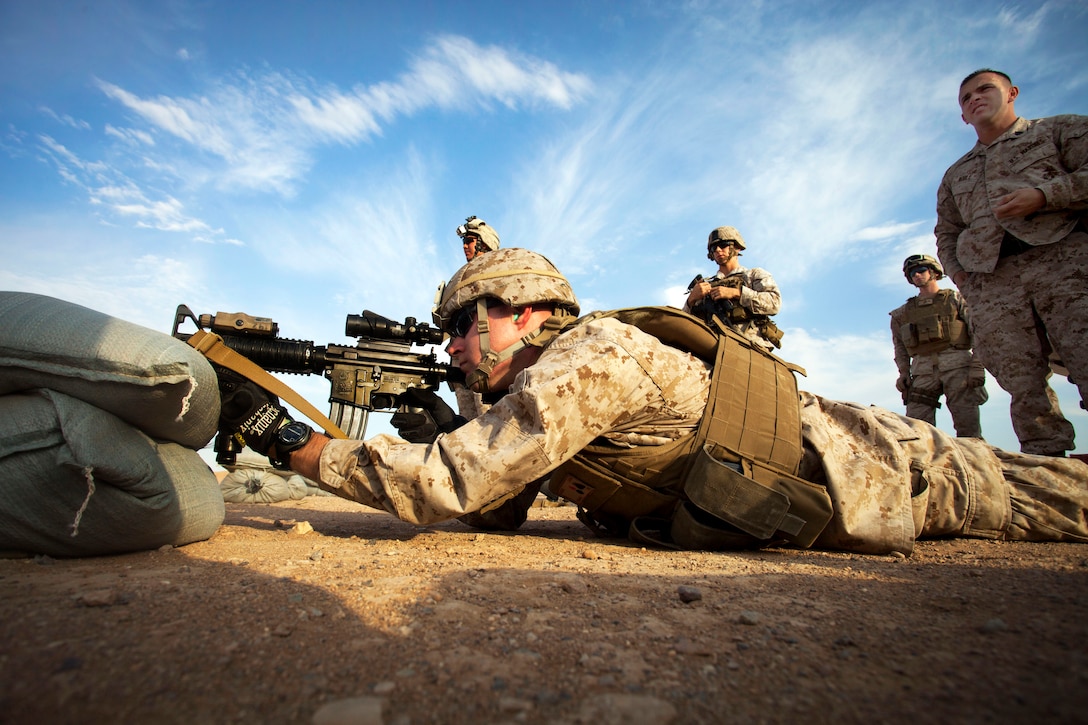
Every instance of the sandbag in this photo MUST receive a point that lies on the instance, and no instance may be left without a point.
(147, 378)
(252, 479)
(78, 481)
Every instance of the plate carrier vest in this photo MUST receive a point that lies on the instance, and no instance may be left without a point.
(731, 483)
(933, 325)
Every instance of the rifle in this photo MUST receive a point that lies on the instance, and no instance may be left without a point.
(730, 313)
(371, 375)
(725, 309)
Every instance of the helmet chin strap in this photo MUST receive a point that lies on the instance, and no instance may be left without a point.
(479, 380)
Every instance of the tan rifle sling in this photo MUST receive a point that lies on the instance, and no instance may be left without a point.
(212, 347)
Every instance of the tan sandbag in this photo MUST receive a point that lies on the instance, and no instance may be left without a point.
(147, 378)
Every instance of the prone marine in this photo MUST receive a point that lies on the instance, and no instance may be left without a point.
(667, 431)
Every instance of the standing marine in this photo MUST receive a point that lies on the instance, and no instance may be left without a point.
(932, 341)
(477, 238)
(743, 299)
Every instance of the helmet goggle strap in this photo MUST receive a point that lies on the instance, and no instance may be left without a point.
(479, 379)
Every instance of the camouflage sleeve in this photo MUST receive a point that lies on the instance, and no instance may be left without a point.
(950, 225)
(760, 293)
(961, 308)
(1069, 191)
(902, 357)
(555, 408)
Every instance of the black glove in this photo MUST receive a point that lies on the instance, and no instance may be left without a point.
(249, 412)
(434, 416)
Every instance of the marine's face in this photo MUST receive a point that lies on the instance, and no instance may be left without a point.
(468, 245)
(920, 276)
(722, 252)
(465, 350)
(986, 98)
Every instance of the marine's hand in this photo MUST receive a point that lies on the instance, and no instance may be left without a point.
(698, 291)
(1019, 203)
(433, 416)
(249, 411)
(724, 292)
(903, 383)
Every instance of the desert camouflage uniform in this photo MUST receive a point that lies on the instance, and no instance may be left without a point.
(759, 294)
(1028, 275)
(891, 478)
(949, 371)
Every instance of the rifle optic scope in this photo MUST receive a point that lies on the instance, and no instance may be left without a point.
(372, 325)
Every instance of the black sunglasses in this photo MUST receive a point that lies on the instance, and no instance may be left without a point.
(462, 321)
(918, 270)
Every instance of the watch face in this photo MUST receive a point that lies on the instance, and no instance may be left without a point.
(293, 433)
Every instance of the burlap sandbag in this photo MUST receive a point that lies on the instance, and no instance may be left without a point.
(252, 479)
(78, 481)
(147, 378)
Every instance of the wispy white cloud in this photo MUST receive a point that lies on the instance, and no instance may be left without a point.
(263, 131)
(452, 73)
(130, 134)
(65, 119)
(109, 189)
(885, 231)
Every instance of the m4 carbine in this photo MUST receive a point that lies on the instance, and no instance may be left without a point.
(371, 375)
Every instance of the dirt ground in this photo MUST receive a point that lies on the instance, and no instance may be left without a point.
(365, 619)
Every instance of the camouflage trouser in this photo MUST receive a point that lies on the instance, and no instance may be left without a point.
(932, 375)
(895, 479)
(1029, 298)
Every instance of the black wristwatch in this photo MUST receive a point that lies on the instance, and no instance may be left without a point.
(290, 438)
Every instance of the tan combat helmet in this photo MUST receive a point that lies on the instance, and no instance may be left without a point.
(922, 260)
(724, 234)
(486, 236)
(516, 277)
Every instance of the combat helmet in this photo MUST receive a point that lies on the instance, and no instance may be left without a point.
(516, 277)
(485, 235)
(724, 234)
(922, 260)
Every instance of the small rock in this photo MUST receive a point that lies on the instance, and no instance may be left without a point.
(623, 708)
(573, 585)
(514, 704)
(301, 528)
(590, 554)
(685, 646)
(98, 598)
(384, 688)
(993, 625)
(749, 617)
(688, 594)
(351, 711)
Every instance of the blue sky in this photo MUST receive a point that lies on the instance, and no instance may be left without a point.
(303, 161)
